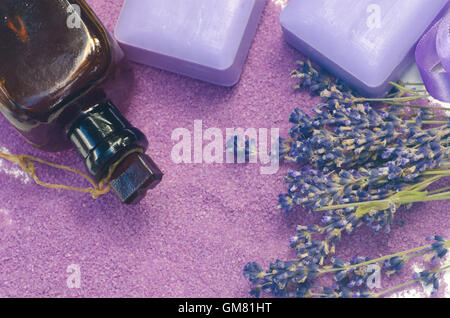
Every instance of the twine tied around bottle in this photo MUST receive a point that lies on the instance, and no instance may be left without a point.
(26, 162)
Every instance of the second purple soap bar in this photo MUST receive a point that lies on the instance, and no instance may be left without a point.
(367, 43)
(205, 39)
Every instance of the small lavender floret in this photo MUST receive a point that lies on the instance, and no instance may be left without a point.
(428, 278)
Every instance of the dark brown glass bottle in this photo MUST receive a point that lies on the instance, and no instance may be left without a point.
(61, 74)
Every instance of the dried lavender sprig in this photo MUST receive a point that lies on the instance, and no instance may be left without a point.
(344, 219)
(400, 198)
(389, 164)
(426, 277)
(297, 279)
(352, 131)
(345, 114)
(348, 137)
(322, 84)
(347, 218)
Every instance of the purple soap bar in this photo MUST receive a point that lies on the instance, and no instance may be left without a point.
(367, 43)
(205, 39)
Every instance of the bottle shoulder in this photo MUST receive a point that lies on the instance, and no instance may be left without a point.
(52, 58)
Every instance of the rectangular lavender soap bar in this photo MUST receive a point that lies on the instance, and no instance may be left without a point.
(204, 39)
(367, 43)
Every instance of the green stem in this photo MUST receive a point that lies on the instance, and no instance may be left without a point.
(418, 106)
(437, 172)
(380, 259)
(424, 184)
(435, 197)
(412, 84)
(387, 291)
(402, 88)
(387, 100)
(416, 255)
(439, 190)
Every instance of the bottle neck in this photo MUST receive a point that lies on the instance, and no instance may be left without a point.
(112, 148)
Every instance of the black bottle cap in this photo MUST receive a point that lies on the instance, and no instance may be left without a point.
(105, 139)
(134, 177)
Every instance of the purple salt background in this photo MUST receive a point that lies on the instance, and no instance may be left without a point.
(193, 234)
